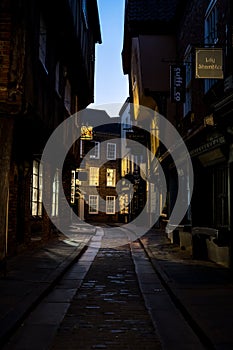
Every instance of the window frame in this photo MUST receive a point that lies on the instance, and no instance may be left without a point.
(55, 194)
(90, 207)
(93, 178)
(95, 155)
(36, 202)
(111, 183)
(113, 199)
(109, 157)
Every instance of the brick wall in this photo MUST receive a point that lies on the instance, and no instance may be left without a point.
(5, 35)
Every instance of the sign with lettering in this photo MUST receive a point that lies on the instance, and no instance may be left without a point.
(86, 132)
(177, 82)
(216, 142)
(209, 63)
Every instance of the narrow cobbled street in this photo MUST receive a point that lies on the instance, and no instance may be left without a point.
(108, 312)
(96, 305)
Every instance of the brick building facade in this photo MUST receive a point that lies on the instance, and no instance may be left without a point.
(202, 116)
(97, 198)
(47, 52)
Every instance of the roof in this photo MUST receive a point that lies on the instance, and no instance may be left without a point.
(114, 127)
(151, 10)
(149, 17)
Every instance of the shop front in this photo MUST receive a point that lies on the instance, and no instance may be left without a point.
(211, 207)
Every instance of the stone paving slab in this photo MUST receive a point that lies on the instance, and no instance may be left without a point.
(108, 311)
(31, 275)
(203, 289)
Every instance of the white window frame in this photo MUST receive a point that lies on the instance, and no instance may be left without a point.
(110, 205)
(55, 194)
(95, 151)
(93, 204)
(37, 189)
(43, 43)
(93, 176)
(111, 177)
(111, 151)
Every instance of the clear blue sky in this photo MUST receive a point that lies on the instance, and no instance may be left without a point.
(111, 85)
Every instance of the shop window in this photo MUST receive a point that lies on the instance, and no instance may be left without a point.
(110, 204)
(36, 189)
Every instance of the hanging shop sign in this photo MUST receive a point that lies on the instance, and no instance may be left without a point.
(209, 63)
(214, 143)
(177, 83)
(86, 132)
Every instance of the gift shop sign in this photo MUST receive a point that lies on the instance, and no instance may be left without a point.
(209, 64)
(177, 83)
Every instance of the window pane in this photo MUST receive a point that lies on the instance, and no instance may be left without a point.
(94, 176)
(111, 177)
(34, 181)
(55, 194)
(40, 209)
(93, 204)
(34, 195)
(94, 153)
(36, 188)
(35, 167)
(34, 209)
(111, 151)
(110, 205)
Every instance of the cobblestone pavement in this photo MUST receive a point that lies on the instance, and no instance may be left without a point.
(108, 312)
